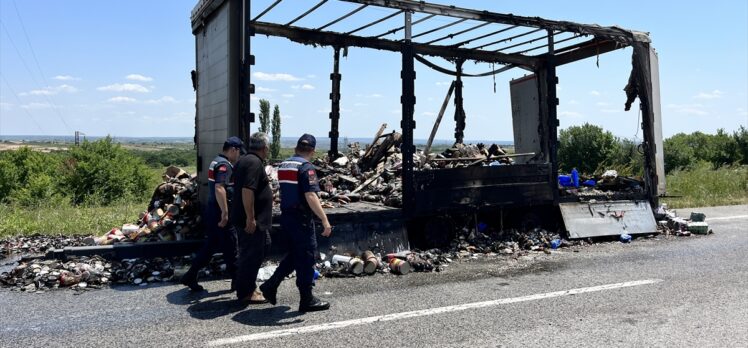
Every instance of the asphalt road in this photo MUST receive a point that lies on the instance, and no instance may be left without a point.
(677, 291)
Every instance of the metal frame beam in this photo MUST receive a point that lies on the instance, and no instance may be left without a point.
(324, 38)
(403, 27)
(585, 50)
(493, 17)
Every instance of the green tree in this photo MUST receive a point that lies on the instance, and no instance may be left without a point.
(585, 147)
(264, 116)
(741, 139)
(724, 149)
(679, 153)
(275, 147)
(101, 172)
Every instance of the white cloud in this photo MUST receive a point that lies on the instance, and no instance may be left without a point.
(305, 86)
(742, 112)
(124, 87)
(287, 95)
(265, 90)
(275, 77)
(715, 94)
(573, 102)
(428, 113)
(360, 104)
(311, 76)
(286, 117)
(595, 93)
(442, 83)
(688, 109)
(53, 90)
(138, 77)
(66, 78)
(375, 95)
(37, 106)
(254, 97)
(162, 100)
(602, 104)
(121, 99)
(396, 111)
(6, 106)
(572, 114)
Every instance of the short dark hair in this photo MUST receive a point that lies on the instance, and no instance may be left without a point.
(302, 149)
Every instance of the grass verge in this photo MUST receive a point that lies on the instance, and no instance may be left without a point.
(63, 218)
(703, 187)
(66, 219)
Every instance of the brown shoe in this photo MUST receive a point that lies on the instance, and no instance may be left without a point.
(255, 298)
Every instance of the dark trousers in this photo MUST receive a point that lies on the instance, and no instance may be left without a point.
(301, 245)
(219, 240)
(253, 248)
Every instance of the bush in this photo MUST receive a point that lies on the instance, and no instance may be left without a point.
(585, 147)
(685, 151)
(101, 172)
(29, 177)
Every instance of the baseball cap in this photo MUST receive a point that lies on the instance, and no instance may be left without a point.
(234, 142)
(307, 140)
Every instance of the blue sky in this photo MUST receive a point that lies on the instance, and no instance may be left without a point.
(122, 68)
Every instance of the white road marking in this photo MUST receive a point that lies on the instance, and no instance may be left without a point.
(727, 218)
(423, 312)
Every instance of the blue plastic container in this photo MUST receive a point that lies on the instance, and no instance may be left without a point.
(575, 177)
(590, 183)
(555, 243)
(565, 180)
(625, 238)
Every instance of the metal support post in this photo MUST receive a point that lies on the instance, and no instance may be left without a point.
(459, 109)
(643, 67)
(408, 124)
(552, 101)
(246, 88)
(335, 107)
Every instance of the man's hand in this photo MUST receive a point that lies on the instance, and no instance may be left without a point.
(224, 219)
(327, 230)
(251, 226)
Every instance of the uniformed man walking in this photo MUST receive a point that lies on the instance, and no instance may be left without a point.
(251, 215)
(221, 235)
(299, 200)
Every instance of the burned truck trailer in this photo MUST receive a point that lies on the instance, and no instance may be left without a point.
(223, 32)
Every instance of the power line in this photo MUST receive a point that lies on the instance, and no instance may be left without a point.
(28, 41)
(19, 105)
(31, 74)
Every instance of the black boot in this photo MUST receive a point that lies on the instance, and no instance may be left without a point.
(309, 303)
(270, 292)
(189, 280)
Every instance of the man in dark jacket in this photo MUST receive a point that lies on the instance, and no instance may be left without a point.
(251, 215)
(221, 235)
(298, 189)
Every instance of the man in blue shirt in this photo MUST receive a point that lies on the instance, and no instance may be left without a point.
(298, 190)
(221, 235)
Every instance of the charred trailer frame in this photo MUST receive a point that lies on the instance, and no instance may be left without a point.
(223, 29)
